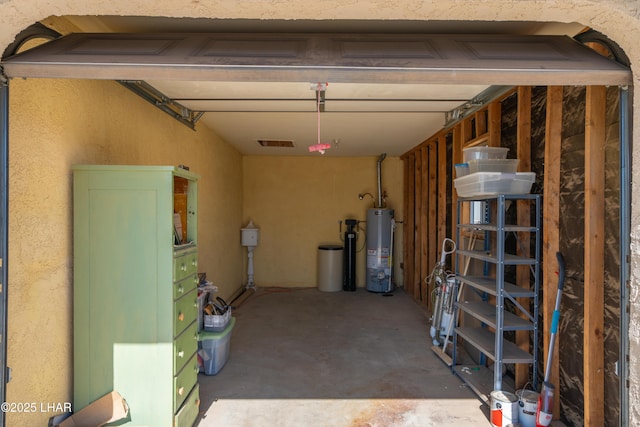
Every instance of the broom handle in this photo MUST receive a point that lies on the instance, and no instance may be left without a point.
(556, 316)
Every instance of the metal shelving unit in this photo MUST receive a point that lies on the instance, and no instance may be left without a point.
(494, 319)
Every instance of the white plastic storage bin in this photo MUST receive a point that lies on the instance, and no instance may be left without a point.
(462, 169)
(472, 153)
(213, 349)
(493, 165)
(489, 183)
(217, 322)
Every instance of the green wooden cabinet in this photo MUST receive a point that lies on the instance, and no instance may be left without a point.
(135, 297)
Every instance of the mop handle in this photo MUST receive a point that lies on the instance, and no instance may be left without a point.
(556, 312)
(556, 315)
(444, 249)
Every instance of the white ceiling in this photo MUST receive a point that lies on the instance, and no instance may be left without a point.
(358, 119)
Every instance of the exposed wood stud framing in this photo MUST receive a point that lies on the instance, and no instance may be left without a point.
(441, 221)
(433, 201)
(421, 226)
(417, 272)
(495, 120)
(594, 246)
(466, 128)
(409, 225)
(551, 224)
(481, 121)
(457, 158)
(426, 217)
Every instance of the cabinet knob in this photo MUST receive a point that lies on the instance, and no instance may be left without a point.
(194, 262)
(183, 267)
(181, 354)
(181, 391)
(180, 289)
(181, 317)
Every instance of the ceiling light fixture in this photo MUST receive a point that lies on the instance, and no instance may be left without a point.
(320, 89)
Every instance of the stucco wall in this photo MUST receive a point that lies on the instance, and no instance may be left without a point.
(53, 125)
(297, 202)
(619, 19)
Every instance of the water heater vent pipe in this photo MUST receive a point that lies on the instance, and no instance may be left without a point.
(382, 157)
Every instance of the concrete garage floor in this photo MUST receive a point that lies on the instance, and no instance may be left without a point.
(301, 357)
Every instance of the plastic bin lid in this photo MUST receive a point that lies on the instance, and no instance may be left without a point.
(206, 335)
(330, 247)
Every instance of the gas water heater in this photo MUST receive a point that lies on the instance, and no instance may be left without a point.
(380, 228)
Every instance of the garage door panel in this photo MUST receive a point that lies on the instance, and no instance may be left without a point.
(399, 58)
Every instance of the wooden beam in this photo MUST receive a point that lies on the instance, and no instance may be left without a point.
(480, 140)
(524, 129)
(442, 188)
(432, 231)
(457, 158)
(422, 226)
(551, 226)
(481, 121)
(523, 278)
(405, 201)
(409, 213)
(594, 188)
(417, 250)
(495, 123)
(467, 130)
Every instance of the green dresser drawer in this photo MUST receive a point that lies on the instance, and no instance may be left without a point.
(184, 381)
(184, 346)
(184, 286)
(187, 415)
(185, 311)
(185, 265)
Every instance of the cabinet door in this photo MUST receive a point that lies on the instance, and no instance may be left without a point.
(123, 295)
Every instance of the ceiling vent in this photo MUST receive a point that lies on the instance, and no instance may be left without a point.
(276, 143)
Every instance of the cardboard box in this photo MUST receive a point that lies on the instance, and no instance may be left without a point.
(109, 408)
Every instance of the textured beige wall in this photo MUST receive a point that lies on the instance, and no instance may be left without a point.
(53, 125)
(297, 202)
(619, 19)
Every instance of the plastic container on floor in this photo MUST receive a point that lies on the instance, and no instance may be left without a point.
(213, 349)
(330, 264)
(490, 183)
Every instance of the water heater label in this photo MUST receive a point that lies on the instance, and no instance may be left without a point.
(378, 258)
